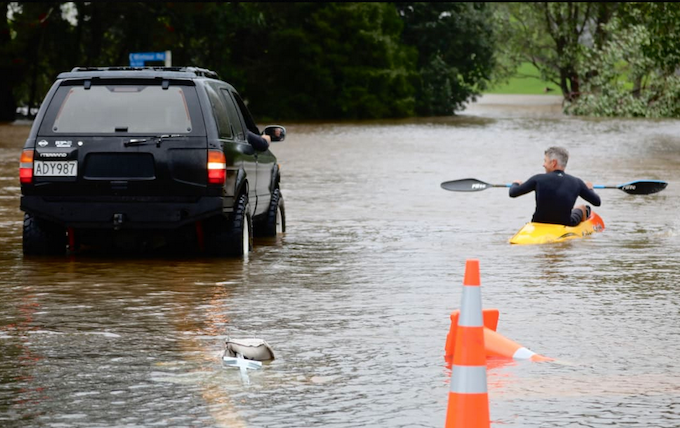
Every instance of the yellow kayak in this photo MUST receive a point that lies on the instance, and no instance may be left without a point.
(544, 233)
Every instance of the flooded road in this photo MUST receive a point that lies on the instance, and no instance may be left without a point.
(355, 298)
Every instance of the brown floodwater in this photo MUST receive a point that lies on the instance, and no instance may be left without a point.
(355, 297)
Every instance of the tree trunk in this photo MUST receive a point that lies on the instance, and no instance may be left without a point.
(637, 86)
(8, 105)
(575, 86)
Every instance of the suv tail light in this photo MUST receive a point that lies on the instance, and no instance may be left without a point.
(26, 167)
(217, 167)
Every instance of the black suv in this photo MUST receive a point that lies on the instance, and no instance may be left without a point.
(144, 158)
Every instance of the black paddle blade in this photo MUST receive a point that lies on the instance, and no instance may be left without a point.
(466, 185)
(643, 187)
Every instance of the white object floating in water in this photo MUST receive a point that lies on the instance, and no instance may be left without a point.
(251, 349)
(241, 363)
(243, 366)
(247, 354)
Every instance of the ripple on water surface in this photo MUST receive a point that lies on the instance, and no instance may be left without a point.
(355, 298)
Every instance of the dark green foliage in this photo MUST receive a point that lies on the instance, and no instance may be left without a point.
(455, 48)
(341, 60)
(9, 70)
(313, 60)
(662, 21)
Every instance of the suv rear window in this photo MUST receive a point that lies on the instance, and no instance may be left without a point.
(129, 108)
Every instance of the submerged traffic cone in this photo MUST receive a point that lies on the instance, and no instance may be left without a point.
(500, 346)
(495, 344)
(468, 398)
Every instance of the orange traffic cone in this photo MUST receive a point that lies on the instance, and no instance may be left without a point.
(500, 346)
(490, 320)
(495, 344)
(468, 398)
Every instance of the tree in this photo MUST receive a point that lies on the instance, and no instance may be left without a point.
(552, 37)
(662, 21)
(43, 42)
(23, 37)
(455, 46)
(636, 68)
(302, 60)
(609, 59)
(328, 60)
(8, 69)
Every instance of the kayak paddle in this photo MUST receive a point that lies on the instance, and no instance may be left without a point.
(469, 185)
(641, 187)
(637, 187)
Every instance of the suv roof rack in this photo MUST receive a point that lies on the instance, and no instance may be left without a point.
(202, 72)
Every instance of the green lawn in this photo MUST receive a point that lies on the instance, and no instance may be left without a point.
(525, 85)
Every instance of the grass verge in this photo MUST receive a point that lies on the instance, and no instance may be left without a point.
(527, 81)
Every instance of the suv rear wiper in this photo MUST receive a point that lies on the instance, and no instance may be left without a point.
(158, 139)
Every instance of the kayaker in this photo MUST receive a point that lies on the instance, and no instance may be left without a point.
(557, 191)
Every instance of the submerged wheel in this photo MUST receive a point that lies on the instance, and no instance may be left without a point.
(41, 237)
(232, 236)
(275, 221)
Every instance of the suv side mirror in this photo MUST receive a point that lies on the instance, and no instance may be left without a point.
(276, 132)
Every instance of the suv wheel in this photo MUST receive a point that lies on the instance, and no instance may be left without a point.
(42, 237)
(275, 221)
(233, 237)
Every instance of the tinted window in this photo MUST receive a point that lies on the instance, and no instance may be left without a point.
(220, 113)
(121, 108)
(250, 123)
(233, 115)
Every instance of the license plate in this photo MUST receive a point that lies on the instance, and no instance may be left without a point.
(55, 169)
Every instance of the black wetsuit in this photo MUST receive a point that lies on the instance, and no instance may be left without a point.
(556, 193)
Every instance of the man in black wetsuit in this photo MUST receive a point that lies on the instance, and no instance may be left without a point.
(557, 191)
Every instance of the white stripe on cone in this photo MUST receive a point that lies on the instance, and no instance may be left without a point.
(471, 308)
(468, 379)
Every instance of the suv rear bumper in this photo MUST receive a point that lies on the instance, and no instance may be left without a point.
(88, 214)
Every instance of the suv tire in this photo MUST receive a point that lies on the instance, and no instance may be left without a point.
(231, 237)
(42, 237)
(275, 221)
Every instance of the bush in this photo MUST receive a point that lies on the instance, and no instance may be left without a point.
(623, 81)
